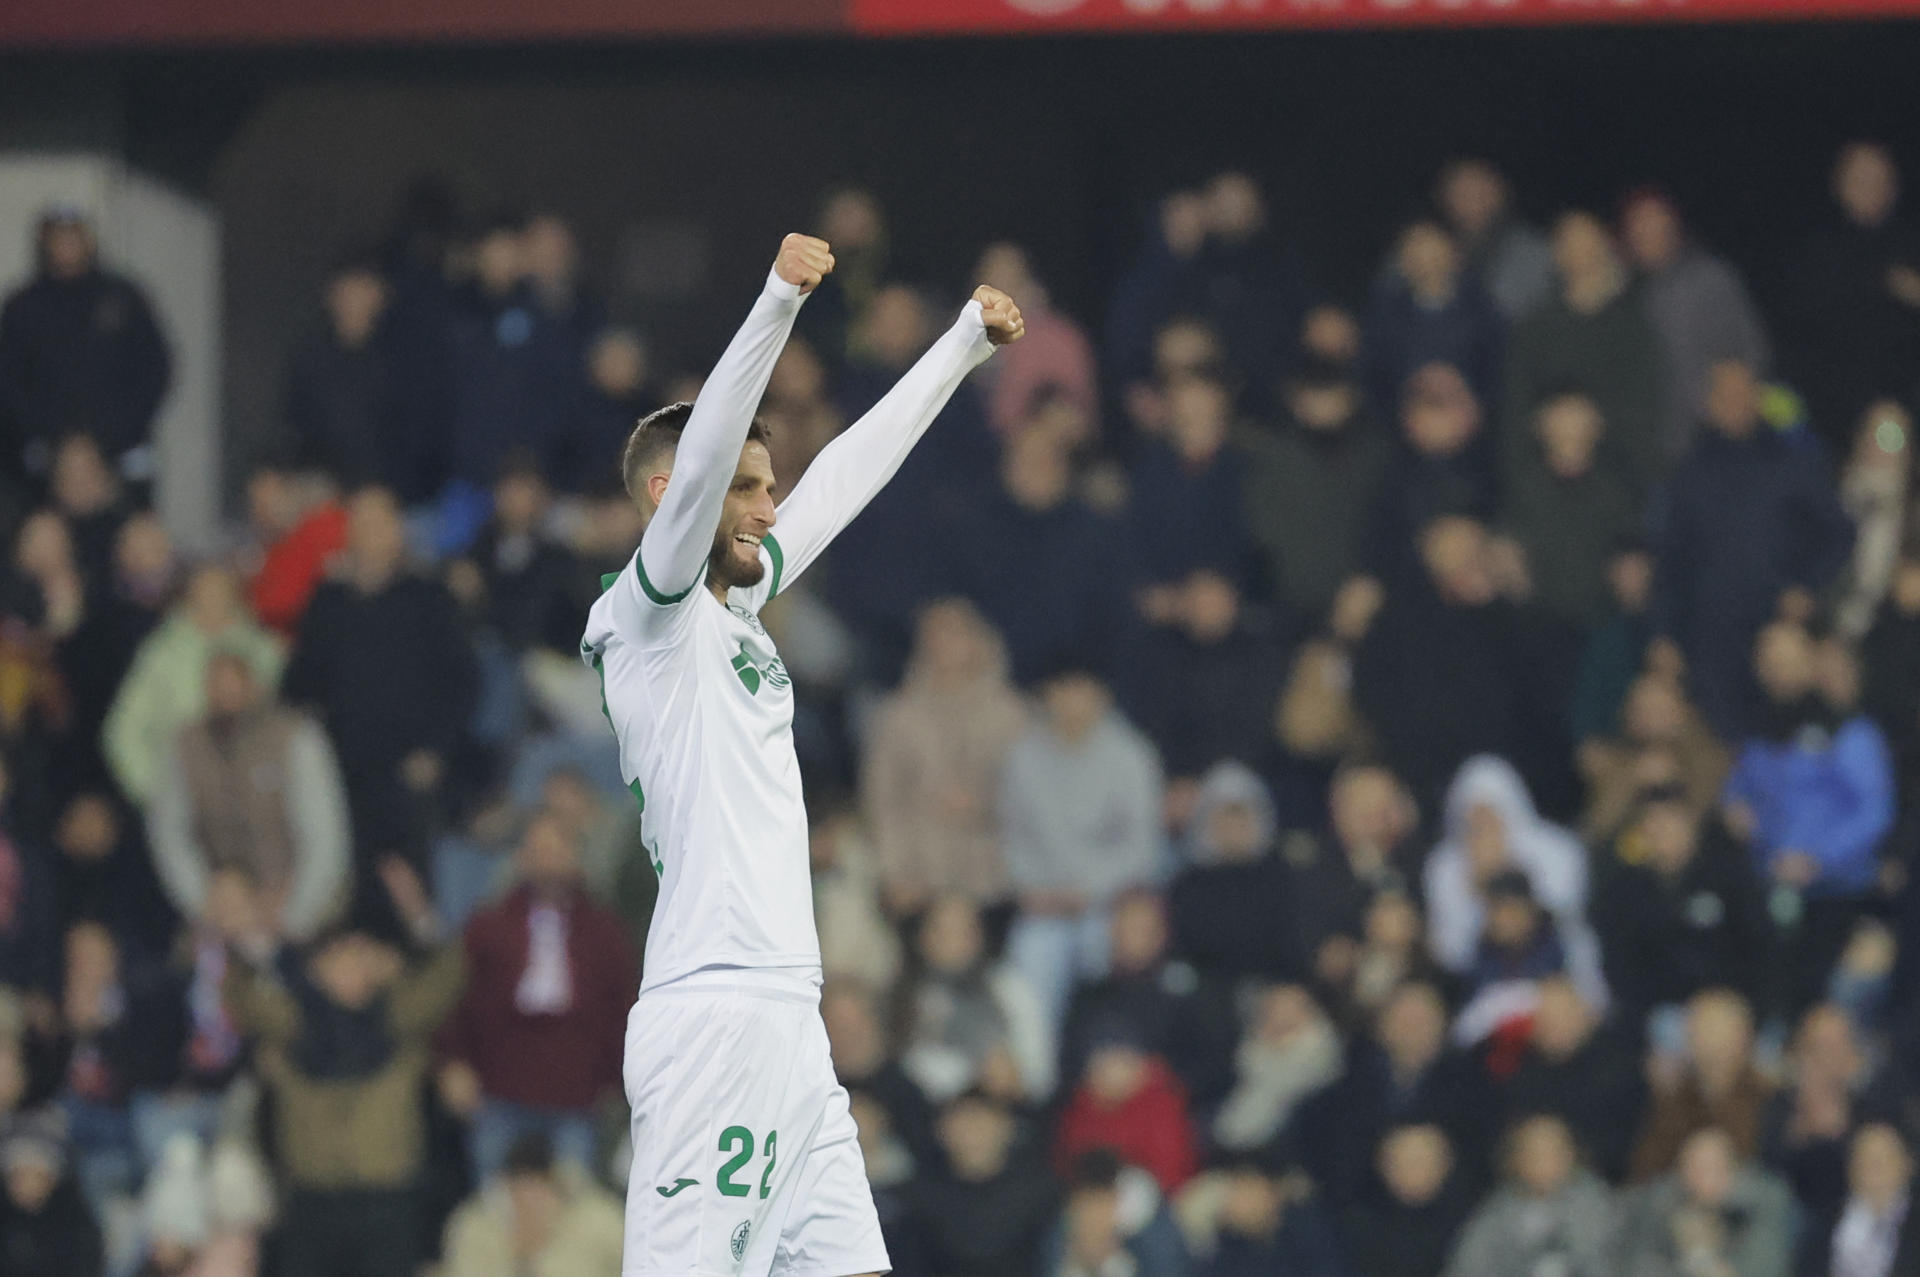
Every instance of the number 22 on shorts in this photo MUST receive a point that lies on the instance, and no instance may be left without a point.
(738, 1141)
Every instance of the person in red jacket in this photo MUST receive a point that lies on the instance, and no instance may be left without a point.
(1129, 1102)
(301, 525)
(536, 1040)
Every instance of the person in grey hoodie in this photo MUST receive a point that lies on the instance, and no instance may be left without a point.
(1713, 1217)
(1551, 1216)
(1080, 808)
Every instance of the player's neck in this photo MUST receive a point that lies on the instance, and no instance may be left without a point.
(718, 588)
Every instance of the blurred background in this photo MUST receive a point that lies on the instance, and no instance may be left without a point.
(1383, 740)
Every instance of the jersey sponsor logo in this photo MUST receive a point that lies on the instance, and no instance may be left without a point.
(772, 674)
(679, 1185)
(738, 1242)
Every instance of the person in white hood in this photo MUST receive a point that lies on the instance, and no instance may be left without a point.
(1492, 826)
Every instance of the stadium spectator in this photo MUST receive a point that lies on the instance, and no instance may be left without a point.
(1080, 805)
(1163, 1003)
(1591, 335)
(253, 788)
(1890, 657)
(1128, 1101)
(88, 494)
(381, 658)
(1752, 527)
(79, 351)
(1266, 1222)
(1511, 259)
(618, 390)
(1878, 492)
(987, 1211)
(534, 1043)
(1288, 1052)
(1114, 1218)
(1660, 741)
(1443, 467)
(1856, 297)
(29, 910)
(301, 525)
(1216, 668)
(1579, 1069)
(46, 1229)
(1226, 899)
(866, 1065)
(166, 688)
(1188, 481)
(1833, 1090)
(541, 1217)
(1439, 673)
(1424, 310)
(1367, 850)
(1311, 486)
(343, 385)
(1878, 1233)
(1615, 651)
(1811, 800)
(342, 1033)
(1055, 358)
(1569, 502)
(1716, 1213)
(103, 874)
(1699, 308)
(934, 760)
(969, 1020)
(857, 940)
(1551, 1214)
(1407, 1224)
(1717, 1087)
(1681, 914)
(1401, 1073)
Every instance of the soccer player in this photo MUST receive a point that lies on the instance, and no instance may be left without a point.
(744, 1152)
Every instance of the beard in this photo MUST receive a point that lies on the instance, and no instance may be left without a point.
(727, 565)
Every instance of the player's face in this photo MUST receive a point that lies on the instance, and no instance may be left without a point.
(745, 520)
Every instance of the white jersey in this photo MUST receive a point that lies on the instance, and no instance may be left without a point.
(697, 695)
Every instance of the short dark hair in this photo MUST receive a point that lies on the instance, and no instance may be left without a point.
(657, 435)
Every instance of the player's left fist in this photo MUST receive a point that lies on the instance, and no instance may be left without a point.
(803, 262)
(1000, 315)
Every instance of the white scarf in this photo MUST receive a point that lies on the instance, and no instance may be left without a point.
(546, 986)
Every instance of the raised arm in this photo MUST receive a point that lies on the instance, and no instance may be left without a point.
(680, 535)
(855, 466)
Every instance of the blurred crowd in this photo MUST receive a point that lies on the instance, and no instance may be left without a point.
(1301, 785)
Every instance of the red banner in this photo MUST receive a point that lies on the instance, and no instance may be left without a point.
(26, 23)
(911, 17)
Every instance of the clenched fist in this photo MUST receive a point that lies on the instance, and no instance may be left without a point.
(1000, 315)
(804, 261)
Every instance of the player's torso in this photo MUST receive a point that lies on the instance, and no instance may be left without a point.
(705, 725)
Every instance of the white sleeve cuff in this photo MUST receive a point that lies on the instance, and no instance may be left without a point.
(780, 288)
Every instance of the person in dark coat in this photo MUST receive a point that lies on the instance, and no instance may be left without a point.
(29, 908)
(1204, 683)
(1426, 310)
(1311, 486)
(1402, 1074)
(341, 396)
(986, 1212)
(1212, 254)
(1752, 519)
(865, 1063)
(523, 576)
(1440, 674)
(1445, 467)
(1583, 1072)
(1407, 1223)
(79, 351)
(1616, 651)
(1271, 1224)
(1226, 901)
(1682, 913)
(1186, 491)
(46, 1229)
(1857, 296)
(382, 659)
(1592, 335)
(1037, 563)
(1369, 849)
(509, 364)
(1173, 1009)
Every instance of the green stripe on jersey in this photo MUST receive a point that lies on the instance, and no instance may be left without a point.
(779, 562)
(664, 600)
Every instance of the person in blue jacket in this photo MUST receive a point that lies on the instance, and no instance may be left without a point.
(1812, 796)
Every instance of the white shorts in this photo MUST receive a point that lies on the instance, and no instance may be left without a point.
(746, 1161)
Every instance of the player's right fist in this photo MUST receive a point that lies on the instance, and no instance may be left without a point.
(803, 262)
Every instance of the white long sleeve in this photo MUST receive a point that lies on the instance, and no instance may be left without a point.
(673, 553)
(857, 464)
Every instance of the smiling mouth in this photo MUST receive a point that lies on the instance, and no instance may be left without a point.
(747, 539)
